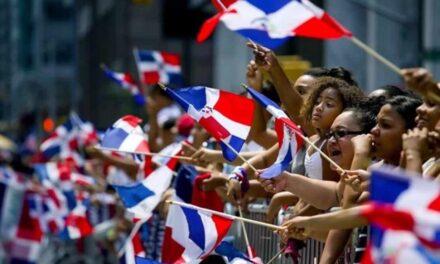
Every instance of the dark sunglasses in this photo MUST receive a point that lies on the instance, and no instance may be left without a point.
(342, 133)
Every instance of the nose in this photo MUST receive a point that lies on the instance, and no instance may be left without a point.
(318, 107)
(421, 109)
(375, 131)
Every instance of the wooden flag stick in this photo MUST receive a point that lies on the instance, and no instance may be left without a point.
(147, 153)
(233, 217)
(240, 156)
(276, 256)
(246, 238)
(312, 145)
(376, 55)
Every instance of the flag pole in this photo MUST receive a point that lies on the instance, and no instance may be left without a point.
(376, 55)
(133, 232)
(246, 238)
(276, 256)
(147, 153)
(232, 217)
(222, 140)
(311, 144)
(240, 156)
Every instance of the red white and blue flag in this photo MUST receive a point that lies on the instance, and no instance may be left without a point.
(288, 133)
(50, 208)
(158, 66)
(61, 174)
(127, 82)
(271, 23)
(77, 224)
(67, 138)
(27, 238)
(405, 215)
(126, 135)
(142, 198)
(226, 116)
(191, 234)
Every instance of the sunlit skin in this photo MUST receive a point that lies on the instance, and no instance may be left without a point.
(428, 115)
(341, 150)
(302, 85)
(387, 135)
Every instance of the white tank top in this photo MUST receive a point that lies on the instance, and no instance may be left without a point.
(313, 163)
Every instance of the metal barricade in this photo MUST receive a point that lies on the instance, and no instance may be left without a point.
(266, 243)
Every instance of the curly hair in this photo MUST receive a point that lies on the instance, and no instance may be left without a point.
(349, 94)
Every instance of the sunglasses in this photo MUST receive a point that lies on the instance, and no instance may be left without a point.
(342, 133)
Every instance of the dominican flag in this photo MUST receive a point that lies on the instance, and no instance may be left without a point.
(221, 4)
(61, 175)
(288, 133)
(127, 82)
(226, 116)
(58, 140)
(158, 66)
(50, 208)
(68, 137)
(142, 198)
(77, 223)
(405, 217)
(28, 236)
(191, 234)
(271, 23)
(126, 135)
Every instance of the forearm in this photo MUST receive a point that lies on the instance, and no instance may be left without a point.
(334, 245)
(290, 98)
(413, 161)
(320, 194)
(128, 166)
(153, 134)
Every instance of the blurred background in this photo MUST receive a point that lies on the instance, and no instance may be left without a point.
(50, 51)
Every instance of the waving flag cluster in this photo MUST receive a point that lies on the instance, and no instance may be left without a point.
(158, 66)
(271, 23)
(77, 224)
(127, 82)
(191, 234)
(226, 116)
(288, 133)
(67, 138)
(405, 219)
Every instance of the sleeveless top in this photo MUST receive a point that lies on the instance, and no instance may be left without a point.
(313, 163)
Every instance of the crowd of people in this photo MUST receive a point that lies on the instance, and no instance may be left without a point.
(391, 126)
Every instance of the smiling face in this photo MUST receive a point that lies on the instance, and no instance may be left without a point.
(341, 149)
(387, 134)
(327, 107)
(428, 114)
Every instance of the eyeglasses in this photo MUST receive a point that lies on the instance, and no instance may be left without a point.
(342, 133)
